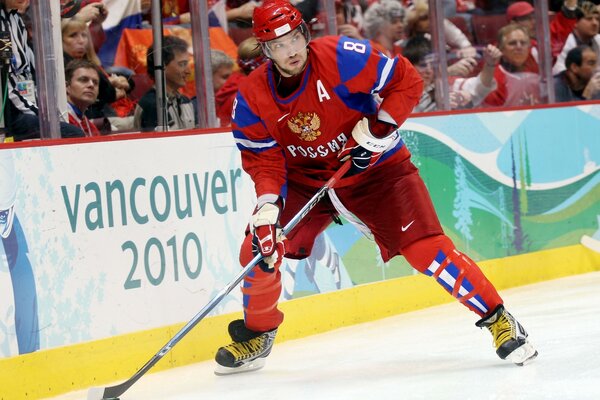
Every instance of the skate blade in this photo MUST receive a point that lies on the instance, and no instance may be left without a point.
(250, 366)
(523, 355)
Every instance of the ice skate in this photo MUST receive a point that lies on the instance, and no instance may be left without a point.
(247, 352)
(510, 338)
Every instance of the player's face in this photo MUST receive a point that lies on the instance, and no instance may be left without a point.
(82, 90)
(289, 52)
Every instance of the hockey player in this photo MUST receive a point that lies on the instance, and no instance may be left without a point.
(295, 119)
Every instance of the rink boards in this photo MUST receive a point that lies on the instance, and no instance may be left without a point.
(128, 239)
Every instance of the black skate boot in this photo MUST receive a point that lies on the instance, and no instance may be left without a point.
(510, 338)
(247, 352)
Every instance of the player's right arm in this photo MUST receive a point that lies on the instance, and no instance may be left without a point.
(262, 157)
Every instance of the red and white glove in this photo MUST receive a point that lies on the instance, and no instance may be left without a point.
(266, 236)
(364, 148)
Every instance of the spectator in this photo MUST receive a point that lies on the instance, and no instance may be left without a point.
(24, 6)
(465, 92)
(92, 12)
(77, 45)
(580, 81)
(473, 90)
(561, 26)
(517, 74)
(522, 13)
(417, 23)
(180, 110)
(384, 24)
(222, 68)
(124, 107)
(82, 81)
(21, 112)
(585, 32)
(348, 18)
(250, 56)
(238, 13)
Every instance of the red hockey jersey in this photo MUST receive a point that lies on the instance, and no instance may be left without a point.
(297, 138)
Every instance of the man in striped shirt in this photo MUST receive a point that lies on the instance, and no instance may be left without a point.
(21, 111)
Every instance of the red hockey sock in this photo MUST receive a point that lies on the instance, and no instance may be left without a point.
(260, 293)
(437, 256)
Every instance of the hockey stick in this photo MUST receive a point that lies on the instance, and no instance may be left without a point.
(113, 392)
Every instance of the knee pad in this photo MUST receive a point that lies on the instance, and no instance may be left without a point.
(436, 256)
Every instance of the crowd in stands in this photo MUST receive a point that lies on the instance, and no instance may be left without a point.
(492, 54)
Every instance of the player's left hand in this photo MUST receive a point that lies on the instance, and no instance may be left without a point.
(266, 236)
(272, 262)
(363, 148)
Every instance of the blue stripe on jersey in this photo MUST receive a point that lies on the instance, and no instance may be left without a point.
(256, 146)
(243, 115)
(352, 57)
(362, 102)
(385, 71)
(284, 190)
(388, 154)
(294, 96)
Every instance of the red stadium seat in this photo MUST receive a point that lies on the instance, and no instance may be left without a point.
(238, 35)
(486, 27)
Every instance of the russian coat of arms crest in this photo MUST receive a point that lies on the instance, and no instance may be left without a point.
(306, 126)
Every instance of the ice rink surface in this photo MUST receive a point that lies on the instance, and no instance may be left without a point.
(435, 354)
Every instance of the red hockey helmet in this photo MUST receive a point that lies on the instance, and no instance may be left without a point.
(273, 19)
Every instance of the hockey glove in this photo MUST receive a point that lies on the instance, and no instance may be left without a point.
(271, 263)
(364, 148)
(266, 237)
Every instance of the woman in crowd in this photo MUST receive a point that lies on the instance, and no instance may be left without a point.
(384, 24)
(417, 23)
(77, 45)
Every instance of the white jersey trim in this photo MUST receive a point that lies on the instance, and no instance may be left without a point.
(385, 73)
(249, 144)
(358, 224)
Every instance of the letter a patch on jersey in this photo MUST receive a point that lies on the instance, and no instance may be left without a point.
(322, 91)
